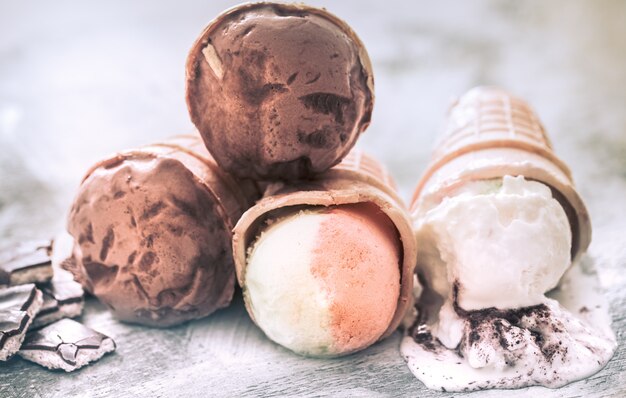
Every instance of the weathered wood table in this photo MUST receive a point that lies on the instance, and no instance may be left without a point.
(79, 81)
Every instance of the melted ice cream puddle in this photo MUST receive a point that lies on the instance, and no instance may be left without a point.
(461, 341)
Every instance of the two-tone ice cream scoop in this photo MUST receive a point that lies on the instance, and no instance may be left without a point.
(326, 265)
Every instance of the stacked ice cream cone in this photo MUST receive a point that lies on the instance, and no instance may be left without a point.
(279, 91)
(153, 226)
(153, 232)
(357, 180)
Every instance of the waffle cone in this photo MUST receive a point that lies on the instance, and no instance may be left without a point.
(357, 179)
(491, 134)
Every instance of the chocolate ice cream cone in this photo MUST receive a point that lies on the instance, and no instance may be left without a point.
(152, 230)
(491, 134)
(279, 91)
(357, 179)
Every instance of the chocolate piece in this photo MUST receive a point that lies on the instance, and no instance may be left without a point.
(279, 91)
(18, 307)
(152, 230)
(61, 299)
(66, 345)
(26, 262)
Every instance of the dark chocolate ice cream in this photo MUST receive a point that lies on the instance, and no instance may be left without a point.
(152, 230)
(279, 91)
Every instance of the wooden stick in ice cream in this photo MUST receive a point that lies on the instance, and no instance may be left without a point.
(326, 265)
(152, 230)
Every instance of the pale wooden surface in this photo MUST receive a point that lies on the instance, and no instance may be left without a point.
(79, 81)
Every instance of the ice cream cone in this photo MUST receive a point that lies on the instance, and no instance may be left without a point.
(279, 91)
(152, 230)
(357, 179)
(491, 134)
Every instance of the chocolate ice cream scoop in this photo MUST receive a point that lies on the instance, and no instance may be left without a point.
(279, 91)
(152, 230)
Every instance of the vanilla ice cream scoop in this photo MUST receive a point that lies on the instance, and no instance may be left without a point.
(325, 281)
(501, 243)
(499, 222)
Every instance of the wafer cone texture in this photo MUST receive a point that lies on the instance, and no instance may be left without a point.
(490, 134)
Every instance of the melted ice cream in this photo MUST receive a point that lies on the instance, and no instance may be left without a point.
(489, 255)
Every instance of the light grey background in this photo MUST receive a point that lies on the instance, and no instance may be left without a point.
(80, 80)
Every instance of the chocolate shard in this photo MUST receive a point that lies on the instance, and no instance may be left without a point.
(26, 262)
(18, 307)
(65, 344)
(61, 299)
